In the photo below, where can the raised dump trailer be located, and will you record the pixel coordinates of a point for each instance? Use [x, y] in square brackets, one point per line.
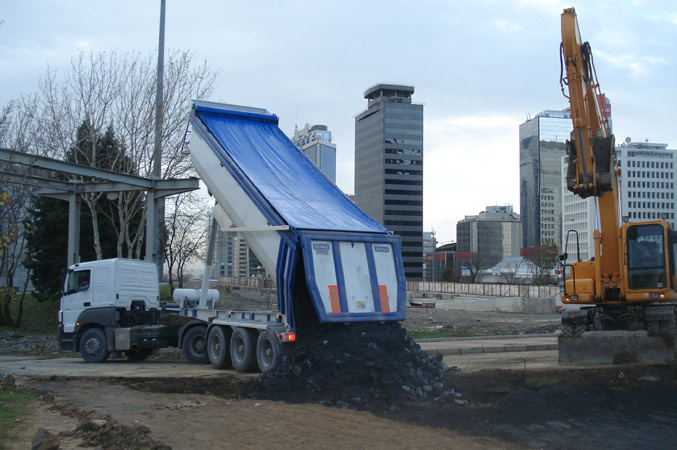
[331, 261]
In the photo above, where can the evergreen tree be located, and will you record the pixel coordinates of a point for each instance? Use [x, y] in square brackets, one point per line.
[48, 237]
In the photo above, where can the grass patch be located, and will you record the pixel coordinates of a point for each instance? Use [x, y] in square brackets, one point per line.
[38, 317]
[15, 408]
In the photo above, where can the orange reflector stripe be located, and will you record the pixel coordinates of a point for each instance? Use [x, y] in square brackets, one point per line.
[383, 293]
[334, 299]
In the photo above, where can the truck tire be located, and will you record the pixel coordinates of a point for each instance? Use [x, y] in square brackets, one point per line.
[194, 345]
[243, 349]
[579, 329]
[268, 351]
[138, 355]
[218, 347]
[93, 346]
[568, 330]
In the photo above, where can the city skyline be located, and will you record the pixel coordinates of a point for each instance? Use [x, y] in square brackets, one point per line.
[480, 70]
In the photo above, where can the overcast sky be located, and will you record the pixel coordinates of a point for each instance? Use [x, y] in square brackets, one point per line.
[479, 67]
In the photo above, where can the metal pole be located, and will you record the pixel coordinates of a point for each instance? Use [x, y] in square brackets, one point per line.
[73, 229]
[158, 206]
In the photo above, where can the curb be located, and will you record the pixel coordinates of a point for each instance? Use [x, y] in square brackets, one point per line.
[493, 349]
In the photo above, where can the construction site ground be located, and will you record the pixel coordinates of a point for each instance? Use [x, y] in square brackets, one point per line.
[519, 397]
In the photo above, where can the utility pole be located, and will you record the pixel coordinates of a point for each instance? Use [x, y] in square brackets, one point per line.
[158, 206]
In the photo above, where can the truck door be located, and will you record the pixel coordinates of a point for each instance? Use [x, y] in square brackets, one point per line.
[76, 298]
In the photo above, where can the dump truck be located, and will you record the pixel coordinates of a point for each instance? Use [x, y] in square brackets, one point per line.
[331, 262]
[626, 293]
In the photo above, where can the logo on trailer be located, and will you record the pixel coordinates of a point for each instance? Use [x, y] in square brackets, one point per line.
[381, 249]
[321, 249]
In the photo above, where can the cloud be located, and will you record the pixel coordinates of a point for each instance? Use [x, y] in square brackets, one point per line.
[637, 65]
[469, 162]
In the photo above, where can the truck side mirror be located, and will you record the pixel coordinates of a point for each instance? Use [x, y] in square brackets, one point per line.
[64, 272]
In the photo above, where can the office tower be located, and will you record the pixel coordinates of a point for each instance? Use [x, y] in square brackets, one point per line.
[542, 146]
[490, 236]
[389, 167]
[647, 190]
[315, 142]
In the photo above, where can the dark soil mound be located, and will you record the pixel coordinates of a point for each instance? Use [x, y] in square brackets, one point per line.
[361, 365]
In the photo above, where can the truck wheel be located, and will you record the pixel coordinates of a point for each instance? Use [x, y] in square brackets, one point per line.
[138, 355]
[580, 329]
[93, 346]
[218, 341]
[194, 345]
[267, 351]
[243, 349]
[568, 330]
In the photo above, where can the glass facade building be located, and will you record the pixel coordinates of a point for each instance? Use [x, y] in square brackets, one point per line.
[315, 142]
[389, 167]
[489, 237]
[542, 147]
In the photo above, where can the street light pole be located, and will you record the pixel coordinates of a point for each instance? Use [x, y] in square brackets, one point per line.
[159, 206]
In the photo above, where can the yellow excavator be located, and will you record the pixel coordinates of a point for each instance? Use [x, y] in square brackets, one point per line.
[629, 285]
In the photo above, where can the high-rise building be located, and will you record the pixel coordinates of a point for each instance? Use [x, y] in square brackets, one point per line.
[490, 236]
[389, 167]
[647, 190]
[315, 142]
[542, 146]
[240, 257]
[222, 265]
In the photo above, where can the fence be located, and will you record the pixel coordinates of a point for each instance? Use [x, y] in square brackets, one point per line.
[255, 283]
[488, 289]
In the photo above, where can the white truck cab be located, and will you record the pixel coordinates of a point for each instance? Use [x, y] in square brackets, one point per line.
[104, 305]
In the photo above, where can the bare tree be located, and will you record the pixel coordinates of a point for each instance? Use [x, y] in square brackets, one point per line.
[471, 262]
[187, 229]
[109, 89]
[14, 200]
[544, 259]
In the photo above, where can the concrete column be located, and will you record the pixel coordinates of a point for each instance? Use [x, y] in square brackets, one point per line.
[151, 227]
[73, 229]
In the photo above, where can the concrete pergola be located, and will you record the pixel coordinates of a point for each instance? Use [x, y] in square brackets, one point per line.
[105, 181]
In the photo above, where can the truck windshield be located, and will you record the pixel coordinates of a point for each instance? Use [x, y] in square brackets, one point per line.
[77, 281]
[646, 257]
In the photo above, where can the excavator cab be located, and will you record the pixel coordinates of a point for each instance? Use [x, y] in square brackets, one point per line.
[647, 262]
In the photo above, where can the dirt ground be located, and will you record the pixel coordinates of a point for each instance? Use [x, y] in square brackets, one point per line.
[510, 406]
[479, 323]
[630, 407]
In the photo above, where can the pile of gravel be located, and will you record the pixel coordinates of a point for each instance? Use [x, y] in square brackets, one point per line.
[366, 366]
[17, 342]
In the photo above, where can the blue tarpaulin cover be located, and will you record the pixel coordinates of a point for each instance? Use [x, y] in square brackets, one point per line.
[292, 185]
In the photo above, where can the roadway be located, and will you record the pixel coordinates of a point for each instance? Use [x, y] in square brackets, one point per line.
[468, 354]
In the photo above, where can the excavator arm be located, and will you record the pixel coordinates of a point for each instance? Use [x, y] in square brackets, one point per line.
[591, 149]
[592, 167]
